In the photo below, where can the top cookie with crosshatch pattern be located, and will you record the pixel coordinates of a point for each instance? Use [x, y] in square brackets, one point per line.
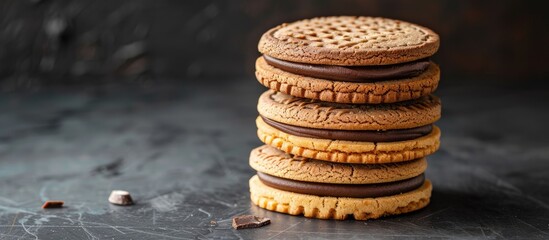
[349, 41]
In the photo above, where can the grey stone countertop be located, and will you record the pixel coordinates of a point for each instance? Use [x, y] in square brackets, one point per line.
[182, 150]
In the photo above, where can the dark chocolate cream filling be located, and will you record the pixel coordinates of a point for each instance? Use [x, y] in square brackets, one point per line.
[343, 190]
[352, 73]
[393, 135]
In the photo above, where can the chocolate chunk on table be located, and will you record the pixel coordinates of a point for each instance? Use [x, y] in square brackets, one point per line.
[53, 204]
[249, 221]
[120, 197]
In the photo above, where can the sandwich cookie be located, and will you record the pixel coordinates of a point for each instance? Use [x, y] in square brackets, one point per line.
[349, 60]
[326, 190]
[349, 133]
[339, 208]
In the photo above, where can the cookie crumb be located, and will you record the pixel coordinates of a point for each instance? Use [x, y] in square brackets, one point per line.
[120, 197]
[53, 204]
[249, 221]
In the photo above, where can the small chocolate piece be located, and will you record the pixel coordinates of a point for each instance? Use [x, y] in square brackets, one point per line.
[53, 204]
[120, 197]
[249, 221]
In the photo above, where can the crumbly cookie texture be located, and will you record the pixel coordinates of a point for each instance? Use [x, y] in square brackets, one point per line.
[349, 41]
[338, 208]
[348, 92]
[349, 151]
[324, 115]
[272, 161]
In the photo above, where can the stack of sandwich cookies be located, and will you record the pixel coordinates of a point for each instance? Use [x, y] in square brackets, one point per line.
[349, 119]
[364, 160]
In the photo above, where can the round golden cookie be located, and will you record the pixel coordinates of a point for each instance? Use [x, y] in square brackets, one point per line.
[338, 208]
[349, 41]
[323, 115]
[267, 159]
[388, 91]
[349, 151]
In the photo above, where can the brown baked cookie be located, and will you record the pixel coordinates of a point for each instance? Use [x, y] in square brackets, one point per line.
[339, 208]
[309, 113]
[349, 41]
[348, 92]
[349, 60]
[349, 151]
[269, 160]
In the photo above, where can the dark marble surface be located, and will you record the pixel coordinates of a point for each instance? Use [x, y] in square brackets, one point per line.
[181, 150]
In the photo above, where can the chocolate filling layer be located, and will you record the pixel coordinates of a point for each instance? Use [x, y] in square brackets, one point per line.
[343, 190]
[352, 73]
[350, 135]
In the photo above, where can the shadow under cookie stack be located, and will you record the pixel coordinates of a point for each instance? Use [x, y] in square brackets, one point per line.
[349, 118]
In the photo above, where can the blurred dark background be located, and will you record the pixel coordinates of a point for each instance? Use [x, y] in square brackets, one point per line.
[45, 42]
